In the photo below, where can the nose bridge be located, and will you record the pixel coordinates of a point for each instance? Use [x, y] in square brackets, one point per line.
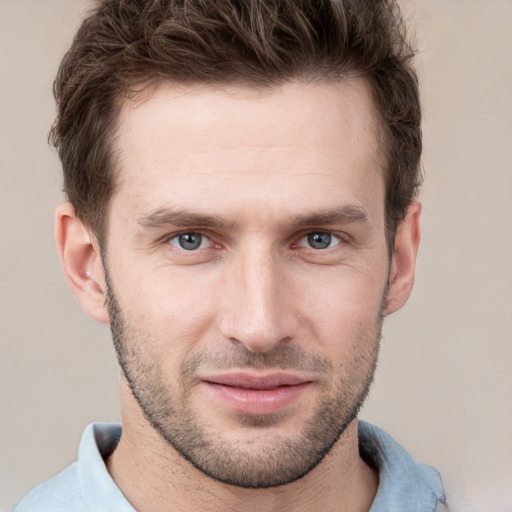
[256, 311]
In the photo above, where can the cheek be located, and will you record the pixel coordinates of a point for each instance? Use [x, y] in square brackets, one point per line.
[345, 321]
[172, 313]
[345, 302]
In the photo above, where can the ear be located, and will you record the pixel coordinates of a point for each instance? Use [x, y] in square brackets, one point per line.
[81, 262]
[401, 275]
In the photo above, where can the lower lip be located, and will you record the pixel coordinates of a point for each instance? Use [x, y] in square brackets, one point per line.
[257, 401]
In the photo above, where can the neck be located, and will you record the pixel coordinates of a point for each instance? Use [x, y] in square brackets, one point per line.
[154, 477]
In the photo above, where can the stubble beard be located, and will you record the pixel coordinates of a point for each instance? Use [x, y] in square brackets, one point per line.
[281, 460]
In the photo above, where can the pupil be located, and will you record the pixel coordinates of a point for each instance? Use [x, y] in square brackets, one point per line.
[319, 240]
[190, 241]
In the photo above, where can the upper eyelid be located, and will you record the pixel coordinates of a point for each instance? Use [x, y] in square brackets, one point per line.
[166, 240]
[294, 239]
[174, 234]
[341, 235]
[340, 238]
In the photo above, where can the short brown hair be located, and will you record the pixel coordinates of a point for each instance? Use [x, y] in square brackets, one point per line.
[124, 44]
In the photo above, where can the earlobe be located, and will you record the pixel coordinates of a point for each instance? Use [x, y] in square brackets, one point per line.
[81, 262]
[401, 275]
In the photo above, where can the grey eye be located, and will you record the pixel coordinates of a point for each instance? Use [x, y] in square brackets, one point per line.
[188, 241]
[320, 240]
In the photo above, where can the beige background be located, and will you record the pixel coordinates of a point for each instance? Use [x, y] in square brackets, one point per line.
[444, 384]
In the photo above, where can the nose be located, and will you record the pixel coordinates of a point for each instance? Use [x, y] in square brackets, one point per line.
[257, 303]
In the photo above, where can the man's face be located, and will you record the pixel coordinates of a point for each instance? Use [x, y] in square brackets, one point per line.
[247, 271]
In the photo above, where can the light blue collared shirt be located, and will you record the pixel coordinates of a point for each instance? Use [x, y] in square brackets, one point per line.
[86, 485]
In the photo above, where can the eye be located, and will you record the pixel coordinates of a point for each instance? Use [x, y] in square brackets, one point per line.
[190, 241]
[320, 240]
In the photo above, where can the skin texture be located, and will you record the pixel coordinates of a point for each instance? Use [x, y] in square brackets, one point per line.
[250, 175]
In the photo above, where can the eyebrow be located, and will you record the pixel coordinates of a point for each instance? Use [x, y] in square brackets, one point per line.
[162, 217]
[165, 217]
[347, 214]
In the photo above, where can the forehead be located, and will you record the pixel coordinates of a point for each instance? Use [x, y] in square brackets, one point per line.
[241, 143]
[193, 110]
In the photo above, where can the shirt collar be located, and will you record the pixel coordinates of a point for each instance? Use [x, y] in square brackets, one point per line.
[404, 484]
[98, 488]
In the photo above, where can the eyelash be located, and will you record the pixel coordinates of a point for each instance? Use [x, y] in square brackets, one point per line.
[168, 239]
[337, 236]
[332, 237]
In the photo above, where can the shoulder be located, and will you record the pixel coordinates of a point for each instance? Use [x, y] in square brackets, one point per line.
[60, 493]
[84, 485]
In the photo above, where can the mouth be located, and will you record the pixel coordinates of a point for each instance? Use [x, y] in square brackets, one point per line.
[257, 395]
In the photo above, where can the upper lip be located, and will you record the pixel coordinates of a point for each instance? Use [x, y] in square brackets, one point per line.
[259, 382]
